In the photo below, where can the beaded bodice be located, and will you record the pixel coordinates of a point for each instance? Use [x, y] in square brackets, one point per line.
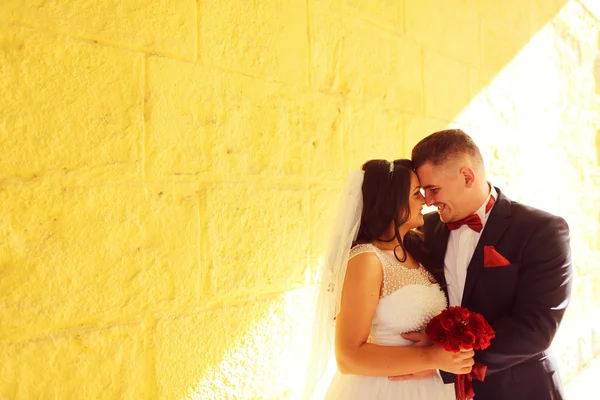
[409, 299]
[395, 275]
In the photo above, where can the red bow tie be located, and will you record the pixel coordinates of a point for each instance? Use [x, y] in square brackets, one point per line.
[472, 221]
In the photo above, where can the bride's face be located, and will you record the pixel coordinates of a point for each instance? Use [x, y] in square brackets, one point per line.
[416, 201]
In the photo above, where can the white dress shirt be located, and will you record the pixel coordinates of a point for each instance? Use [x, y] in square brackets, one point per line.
[461, 245]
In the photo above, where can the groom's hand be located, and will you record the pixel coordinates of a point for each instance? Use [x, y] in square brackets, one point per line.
[419, 339]
[418, 375]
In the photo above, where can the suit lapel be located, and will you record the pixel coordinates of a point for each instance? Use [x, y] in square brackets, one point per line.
[494, 229]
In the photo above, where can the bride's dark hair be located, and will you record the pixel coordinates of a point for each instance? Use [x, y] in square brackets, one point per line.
[385, 193]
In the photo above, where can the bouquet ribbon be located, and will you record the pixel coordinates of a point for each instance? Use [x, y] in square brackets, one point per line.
[464, 382]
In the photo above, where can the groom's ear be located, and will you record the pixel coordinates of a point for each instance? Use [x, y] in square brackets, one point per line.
[468, 174]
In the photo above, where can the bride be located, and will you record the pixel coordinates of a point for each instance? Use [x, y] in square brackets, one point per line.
[374, 289]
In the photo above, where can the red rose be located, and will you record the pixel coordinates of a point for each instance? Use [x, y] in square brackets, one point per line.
[482, 330]
[436, 332]
[447, 324]
[469, 340]
[457, 331]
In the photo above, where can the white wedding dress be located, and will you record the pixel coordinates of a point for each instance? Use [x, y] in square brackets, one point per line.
[409, 300]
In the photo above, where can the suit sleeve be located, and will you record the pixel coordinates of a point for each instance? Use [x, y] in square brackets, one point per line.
[542, 295]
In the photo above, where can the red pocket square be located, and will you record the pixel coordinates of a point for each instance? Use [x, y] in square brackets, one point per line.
[491, 258]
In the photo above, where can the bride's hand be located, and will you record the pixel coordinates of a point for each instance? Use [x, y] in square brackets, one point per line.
[455, 363]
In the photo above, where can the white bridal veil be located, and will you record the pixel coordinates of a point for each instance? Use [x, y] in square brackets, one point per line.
[332, 276]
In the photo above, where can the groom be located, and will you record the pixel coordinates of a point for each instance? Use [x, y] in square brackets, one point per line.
[505, 260]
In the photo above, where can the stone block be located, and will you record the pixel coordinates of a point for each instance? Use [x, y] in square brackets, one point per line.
[256, 238]
[105, 363]
[344, 60]
[446, 86]
[73, 105]
[94, 254]
[228, 123]
[263, 39]
[452, 28]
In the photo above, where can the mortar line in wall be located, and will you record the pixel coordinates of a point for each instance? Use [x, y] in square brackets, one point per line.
[441, 52]
[308, 198]
[308, 46]
[240, 299]
[96, 40]
[480, 46]
[404, 28]
[212, 181]
[66, 331]
[385, 28]
[197, 36]
[277, 182]
[151, 323]
[202, 244]
[423, 86]
[144, 113]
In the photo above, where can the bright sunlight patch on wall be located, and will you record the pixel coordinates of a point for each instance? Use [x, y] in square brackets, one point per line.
[274, 349]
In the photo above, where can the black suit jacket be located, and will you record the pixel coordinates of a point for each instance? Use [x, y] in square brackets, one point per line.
[524, 302]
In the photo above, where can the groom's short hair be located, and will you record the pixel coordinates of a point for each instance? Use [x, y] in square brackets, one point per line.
[442, 146]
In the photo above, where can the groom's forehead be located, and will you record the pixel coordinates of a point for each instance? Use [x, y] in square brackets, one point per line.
[438, 171]
[432, 176]
[427, 172]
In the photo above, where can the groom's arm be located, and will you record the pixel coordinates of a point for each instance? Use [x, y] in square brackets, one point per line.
[542, 296]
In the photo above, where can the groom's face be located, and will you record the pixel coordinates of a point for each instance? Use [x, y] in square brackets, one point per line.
[445, 189]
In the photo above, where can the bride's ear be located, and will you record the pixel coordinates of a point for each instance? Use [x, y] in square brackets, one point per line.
[468, 174]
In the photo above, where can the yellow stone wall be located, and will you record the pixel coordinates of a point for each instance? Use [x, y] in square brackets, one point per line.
[170, 170]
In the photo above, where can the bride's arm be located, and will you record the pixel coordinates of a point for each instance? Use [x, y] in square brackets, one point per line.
[360, 296]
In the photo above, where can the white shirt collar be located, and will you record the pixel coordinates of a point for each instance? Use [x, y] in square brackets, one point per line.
[481, 211]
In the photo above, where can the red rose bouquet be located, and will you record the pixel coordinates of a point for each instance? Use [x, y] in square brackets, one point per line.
[458, 327]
